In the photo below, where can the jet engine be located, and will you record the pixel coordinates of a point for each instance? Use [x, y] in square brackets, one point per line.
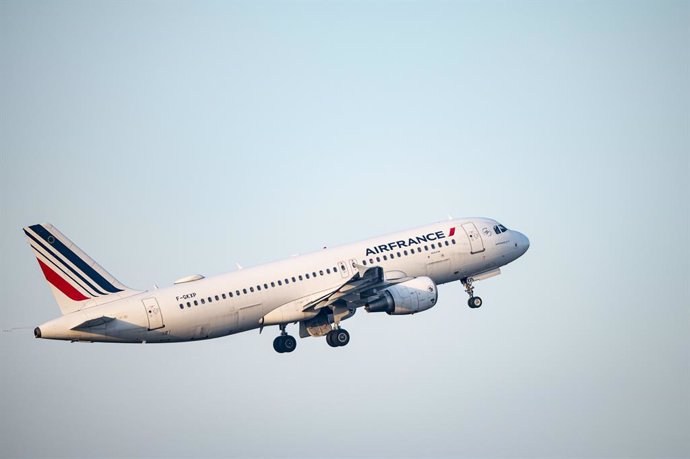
[409, 297]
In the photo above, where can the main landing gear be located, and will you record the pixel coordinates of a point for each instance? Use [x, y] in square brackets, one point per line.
[337, 337]
[284, 342]
[474, 301]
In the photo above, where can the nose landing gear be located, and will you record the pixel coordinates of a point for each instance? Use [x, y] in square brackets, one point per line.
[474, 301]
[284, 342]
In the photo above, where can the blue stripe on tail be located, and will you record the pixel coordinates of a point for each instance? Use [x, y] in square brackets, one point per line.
[74, 258]
[62, 262]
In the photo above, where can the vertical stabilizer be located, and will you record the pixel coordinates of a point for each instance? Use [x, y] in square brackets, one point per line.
[75, 279]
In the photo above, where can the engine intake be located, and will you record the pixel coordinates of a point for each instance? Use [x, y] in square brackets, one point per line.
[409, 297]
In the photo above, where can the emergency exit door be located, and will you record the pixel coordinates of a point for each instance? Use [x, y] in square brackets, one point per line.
[476, 242]
[153, 312]
[343, 269]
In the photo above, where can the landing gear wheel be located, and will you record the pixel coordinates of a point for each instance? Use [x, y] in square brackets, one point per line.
[278, 344]
[284, 343]
[340, 337]
[474, 302]
[329, 339]
[289, 343]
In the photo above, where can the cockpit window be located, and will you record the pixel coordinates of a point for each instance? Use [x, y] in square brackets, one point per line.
[498, 229]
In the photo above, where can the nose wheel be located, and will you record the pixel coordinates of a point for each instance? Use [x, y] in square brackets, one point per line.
[474, 302]
[284, 342]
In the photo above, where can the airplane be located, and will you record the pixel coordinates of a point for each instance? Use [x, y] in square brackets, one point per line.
[396, 274]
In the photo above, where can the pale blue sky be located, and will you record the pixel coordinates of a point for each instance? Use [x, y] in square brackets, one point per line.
[172, 138]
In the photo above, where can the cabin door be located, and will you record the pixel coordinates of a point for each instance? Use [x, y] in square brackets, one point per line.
[476, 243]
[153, 312]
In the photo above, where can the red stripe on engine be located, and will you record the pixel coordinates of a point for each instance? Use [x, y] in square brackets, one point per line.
[60, 283]
[452, 232]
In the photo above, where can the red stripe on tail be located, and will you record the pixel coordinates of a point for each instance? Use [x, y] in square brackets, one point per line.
[452, 232]
[61, 284]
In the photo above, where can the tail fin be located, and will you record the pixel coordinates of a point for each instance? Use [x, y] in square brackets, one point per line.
[76, 280]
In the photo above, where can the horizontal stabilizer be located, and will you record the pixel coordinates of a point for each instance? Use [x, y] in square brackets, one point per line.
[93, 322]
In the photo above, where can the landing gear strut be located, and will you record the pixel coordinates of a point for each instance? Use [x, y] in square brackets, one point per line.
[474, 301]
[284, 342]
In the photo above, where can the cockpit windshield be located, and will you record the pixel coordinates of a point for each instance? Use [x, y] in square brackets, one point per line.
[498, 229]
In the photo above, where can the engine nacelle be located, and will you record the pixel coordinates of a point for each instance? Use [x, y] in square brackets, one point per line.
[410, 297]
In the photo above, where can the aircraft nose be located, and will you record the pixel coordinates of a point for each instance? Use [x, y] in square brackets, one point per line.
[523, 242]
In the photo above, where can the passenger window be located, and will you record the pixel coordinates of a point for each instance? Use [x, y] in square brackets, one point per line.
[280, 282]
[258, 287]
[230, 293]
[371, 261]
[238, 292]
[266, 286]
[202, 301]
[307, 275]
[364, 262]
[189, 305]
[385, 257]
[399, 255]
[251, 289]
[313, 274]
[181, 306]
[446, 242]
[196, 303]
[426, 247]
[210, 300]
[453, 241]
[300, 277]
[273, 284]
[287, 281]
[328, 270]
[378, 259]
[321, 272]
[244, 290]
[218, 298]
[293, 279]
[224, 295]
[405, 252]
[419, 250]
[433, 246]
[335, 270]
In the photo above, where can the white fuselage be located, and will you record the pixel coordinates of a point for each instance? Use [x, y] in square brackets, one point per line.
[241, 300]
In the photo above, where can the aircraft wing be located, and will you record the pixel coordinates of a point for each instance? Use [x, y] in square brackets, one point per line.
[360, 286]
